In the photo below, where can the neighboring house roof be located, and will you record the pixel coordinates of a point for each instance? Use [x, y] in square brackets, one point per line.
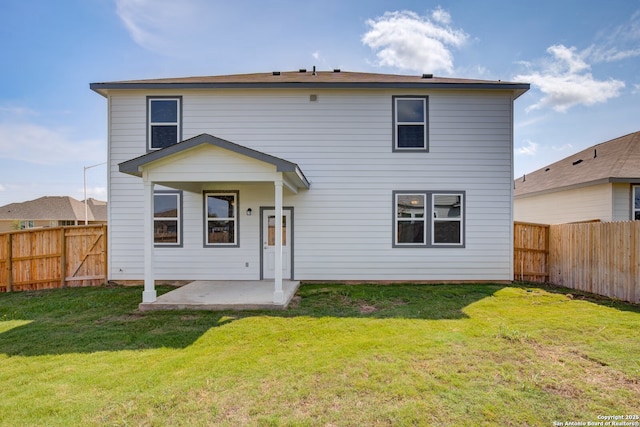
[62, 208]
[617, 160]
[313, 79]
[133, 166]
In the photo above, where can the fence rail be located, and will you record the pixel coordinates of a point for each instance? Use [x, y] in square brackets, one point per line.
[598, 257]
[50, 258]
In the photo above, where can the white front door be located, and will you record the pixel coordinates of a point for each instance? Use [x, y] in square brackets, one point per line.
[269, 244]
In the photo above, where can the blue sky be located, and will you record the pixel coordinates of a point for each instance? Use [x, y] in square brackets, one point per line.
[582, 60]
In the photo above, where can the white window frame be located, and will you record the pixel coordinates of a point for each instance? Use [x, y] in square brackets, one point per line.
[150, 124]
[26, 224]
[177, 218]
[429, 225]
[235, 218]
[424, 123]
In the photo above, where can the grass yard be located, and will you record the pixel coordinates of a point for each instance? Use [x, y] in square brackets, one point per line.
[365, 355]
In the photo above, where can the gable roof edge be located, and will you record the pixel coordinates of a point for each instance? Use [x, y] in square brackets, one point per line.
[133, 166]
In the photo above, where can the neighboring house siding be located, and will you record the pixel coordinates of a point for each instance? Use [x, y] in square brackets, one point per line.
[582, 204]
[343, 224]
[621, 202]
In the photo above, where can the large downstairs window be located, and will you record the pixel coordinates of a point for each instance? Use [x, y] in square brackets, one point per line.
[410, 123]
[428, 219]
[167, 216]
[221, 218]
[163, 118]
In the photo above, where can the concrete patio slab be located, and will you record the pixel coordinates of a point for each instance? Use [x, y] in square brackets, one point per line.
[223, 295]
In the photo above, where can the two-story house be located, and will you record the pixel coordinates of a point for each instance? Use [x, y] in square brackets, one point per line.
[376, 178]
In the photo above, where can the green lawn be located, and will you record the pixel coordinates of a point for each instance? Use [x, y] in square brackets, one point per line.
[362, 355]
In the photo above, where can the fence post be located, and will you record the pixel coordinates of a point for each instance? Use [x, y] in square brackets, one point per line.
[9, 264]
[105, 265]
[63, 257]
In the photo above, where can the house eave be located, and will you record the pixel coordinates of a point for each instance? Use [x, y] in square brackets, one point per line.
[608, 180]
[517, 88]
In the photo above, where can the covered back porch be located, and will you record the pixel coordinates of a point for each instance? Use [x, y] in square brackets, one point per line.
[224, 295]
[191, 166]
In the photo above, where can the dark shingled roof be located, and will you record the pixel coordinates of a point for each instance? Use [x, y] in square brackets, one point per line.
[311, 79]
[617, 160]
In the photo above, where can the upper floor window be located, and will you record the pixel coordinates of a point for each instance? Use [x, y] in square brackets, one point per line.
[163, 116]
[410, 123]
[636, 202]
[167, 213]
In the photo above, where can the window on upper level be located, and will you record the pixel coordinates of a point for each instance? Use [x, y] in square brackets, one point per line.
[167, 217]
[164, 121]
[428, 219]
[410, 123]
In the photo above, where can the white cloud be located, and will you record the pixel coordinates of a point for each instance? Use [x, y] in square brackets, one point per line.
[406, 40]
[160, 25]
[618, 43]
[2, 187]
[529, 150]
[566, 81]
[561, 148]
[38, 144]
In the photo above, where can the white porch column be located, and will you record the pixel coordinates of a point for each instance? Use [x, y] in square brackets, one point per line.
[149, 294]
[278, 295]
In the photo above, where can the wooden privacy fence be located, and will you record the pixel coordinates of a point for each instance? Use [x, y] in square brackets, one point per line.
[531, 252]
[598, 257]
[50, 258]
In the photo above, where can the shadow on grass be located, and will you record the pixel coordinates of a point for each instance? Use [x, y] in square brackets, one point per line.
[86, 320]
[581, 295]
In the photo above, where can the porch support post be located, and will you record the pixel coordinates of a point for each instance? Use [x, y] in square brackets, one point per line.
[149, 293]
[278, 294]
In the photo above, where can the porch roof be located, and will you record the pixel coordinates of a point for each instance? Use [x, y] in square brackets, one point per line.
[291, 171]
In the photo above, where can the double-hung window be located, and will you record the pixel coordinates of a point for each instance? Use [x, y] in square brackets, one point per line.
[221, 218]
[410, 123]
[636, 202]
[428, 219]
[447, 219]
[163, 117]
[167, 212]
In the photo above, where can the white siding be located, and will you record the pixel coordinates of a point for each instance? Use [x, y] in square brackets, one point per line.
[342, 142]
[621, 202]
[581, 204]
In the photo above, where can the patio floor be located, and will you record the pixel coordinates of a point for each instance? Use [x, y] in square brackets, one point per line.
[223, 295]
